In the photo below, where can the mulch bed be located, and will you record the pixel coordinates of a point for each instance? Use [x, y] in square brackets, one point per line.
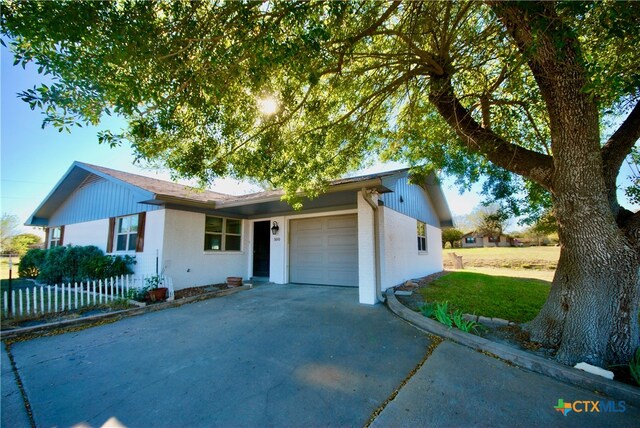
[196, 291]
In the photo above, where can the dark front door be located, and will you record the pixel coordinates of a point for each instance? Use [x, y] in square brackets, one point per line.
[261, 248]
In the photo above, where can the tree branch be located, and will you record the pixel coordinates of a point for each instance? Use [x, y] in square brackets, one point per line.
[533, 165]
[616, 150]
[351, 40]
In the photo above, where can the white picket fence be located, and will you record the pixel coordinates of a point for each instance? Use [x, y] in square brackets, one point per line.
[43, 299]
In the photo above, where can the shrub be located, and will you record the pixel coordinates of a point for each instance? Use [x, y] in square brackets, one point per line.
[93, 264]
[30, 263]
[75, 263]
[53, 270]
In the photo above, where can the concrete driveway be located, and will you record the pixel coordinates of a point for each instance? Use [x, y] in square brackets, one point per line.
[271, 356]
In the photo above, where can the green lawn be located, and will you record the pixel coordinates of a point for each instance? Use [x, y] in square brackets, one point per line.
[16, 283]
[513, 299]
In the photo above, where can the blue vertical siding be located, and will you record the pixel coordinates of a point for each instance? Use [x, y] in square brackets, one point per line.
[409, 199]
[98, 198]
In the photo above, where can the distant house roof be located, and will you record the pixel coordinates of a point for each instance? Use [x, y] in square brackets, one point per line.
[160, 192]
[475, 234]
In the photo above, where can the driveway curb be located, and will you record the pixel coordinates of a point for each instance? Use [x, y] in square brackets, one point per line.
[519, 358]
[18, 332]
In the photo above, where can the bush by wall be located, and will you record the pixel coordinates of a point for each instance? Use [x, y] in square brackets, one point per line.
[73, 264]
[30, 263]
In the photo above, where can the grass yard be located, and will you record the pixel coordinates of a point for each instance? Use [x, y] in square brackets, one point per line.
[15, 284]
[513, 299]
[525, 258]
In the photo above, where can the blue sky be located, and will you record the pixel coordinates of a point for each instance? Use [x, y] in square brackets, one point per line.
[32, 159]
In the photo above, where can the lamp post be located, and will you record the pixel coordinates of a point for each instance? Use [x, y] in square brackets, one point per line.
[10, 295]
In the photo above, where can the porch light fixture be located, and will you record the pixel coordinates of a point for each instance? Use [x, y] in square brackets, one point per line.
[275, 228]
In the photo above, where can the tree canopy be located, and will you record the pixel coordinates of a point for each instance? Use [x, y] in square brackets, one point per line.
[352, 80]
[8, 229]
[451, 235]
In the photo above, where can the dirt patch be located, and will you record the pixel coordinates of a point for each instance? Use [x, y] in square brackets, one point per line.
[415, 300]
[196, 291]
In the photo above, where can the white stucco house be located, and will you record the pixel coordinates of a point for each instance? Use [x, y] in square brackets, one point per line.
[371, 232]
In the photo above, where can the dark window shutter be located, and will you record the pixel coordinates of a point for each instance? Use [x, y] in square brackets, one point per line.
[46, 237]
[61, 242]
[141, 224]
[112, 229]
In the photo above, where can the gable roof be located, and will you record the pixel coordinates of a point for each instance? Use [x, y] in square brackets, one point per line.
[154, 191]
[156, 186]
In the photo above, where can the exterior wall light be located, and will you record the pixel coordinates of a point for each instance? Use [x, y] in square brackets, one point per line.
[275, 228]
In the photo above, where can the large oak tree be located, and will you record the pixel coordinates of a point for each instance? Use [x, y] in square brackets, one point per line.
[519, 92]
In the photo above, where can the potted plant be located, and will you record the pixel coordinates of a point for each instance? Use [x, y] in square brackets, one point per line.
[157, 290]
[234, 281]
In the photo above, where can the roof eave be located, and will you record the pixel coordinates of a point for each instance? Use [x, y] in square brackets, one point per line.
[342, 187]
[432, 186]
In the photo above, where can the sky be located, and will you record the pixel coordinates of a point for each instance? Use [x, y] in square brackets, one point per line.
[32, 159]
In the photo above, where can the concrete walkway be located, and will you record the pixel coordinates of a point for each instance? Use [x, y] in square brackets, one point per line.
[458, 386]
[278, 356]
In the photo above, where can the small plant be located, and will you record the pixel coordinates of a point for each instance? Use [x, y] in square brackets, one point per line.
[138, 294]
[465, 325]
[153, 282]
[634, 366]
[440, 311]
[426, 309]
[441, 314]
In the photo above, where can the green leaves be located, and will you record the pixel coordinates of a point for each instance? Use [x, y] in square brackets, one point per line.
[352, 81]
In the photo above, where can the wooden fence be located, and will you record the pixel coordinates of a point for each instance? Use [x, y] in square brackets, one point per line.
[49, 299]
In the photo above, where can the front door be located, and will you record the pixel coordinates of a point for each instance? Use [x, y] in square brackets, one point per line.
[261, 248]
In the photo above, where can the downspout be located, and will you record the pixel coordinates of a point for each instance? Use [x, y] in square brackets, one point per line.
[366, 194]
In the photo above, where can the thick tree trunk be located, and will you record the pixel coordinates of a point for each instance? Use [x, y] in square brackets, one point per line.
[591, 313]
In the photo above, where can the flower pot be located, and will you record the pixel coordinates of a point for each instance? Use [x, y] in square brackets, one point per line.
[157, 294]
[234, 281]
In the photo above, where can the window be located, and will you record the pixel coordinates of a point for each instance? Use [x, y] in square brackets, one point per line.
[469, 240]
[222, 234]
[55, 237]
[422, 236]
[126, 233]
[494, 239]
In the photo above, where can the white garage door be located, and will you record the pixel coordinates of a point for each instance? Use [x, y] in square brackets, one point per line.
[324, 250]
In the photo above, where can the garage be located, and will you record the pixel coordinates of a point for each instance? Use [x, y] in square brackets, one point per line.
[324, 250]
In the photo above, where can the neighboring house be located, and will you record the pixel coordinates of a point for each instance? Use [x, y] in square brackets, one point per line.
[201, 237]
[474, 240]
